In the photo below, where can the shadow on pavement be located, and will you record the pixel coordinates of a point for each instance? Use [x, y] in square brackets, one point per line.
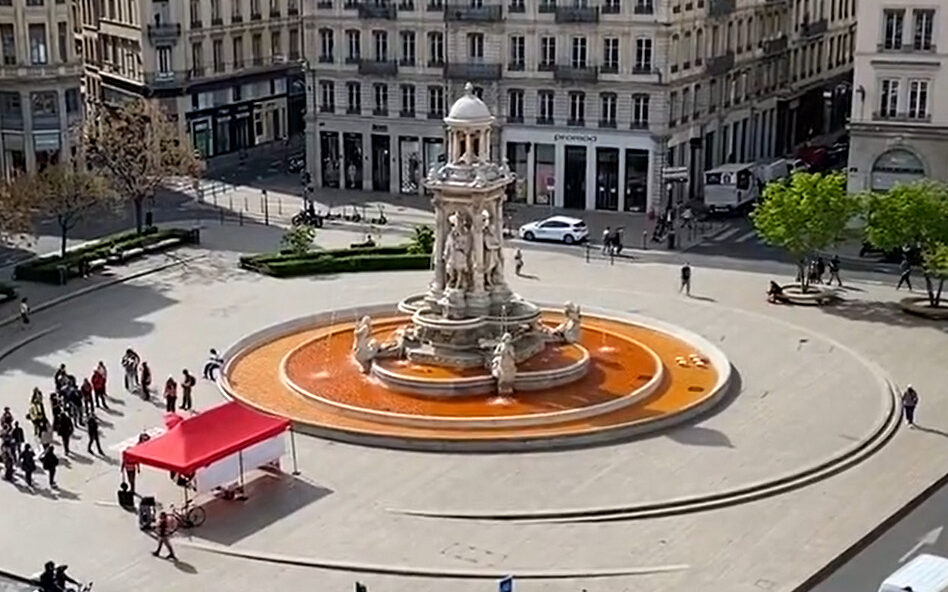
[880, 312]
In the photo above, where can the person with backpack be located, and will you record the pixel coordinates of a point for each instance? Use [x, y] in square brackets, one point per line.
[65, 428]
[50, 461]
[187, 385]
[28, 463]
[98, 385]
[145, 381]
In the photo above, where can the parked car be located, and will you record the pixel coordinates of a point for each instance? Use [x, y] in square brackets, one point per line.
[556, 228]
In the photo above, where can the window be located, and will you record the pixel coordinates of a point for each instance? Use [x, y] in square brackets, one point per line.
[889, 98]
[696, 111]
[197, 57]
[235, 14]
[515, 105]
[577, 108]
[276, 44]
[918, 99]
[892, 29]
[34, 2]
[739, 48]
[643, 55]
[516, 6]
[294, 44]
[408, 100]
[217, 54]
[44, 104]
[11, 109]
[611, 7]
[408, 48]
[8, 43]
[38, 53]
[255, 9]
[699, 47]
[238, 51]
[673, 108]
[353, 45]
[644, 7]
[435, 101]
[924, 22]
[547, 53]
[686, 49]
[475, 46]
[215, 12]
[517, 52]
[195, 14]
[578, 53]
[72, 100]
[640, 110]
[685, 104]
[381, 99]
[353, 97]
[607, 110]
[61, 41]
[327, 96]
[381, 45]
[327, 45]
[545, 106]
[435, 49]
[164, 60]
[610, 54]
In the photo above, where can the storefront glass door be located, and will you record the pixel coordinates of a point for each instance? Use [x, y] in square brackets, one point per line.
[352, 156]
[636, 180]
[575, 178]
[544, 183]
[381, 165]
[329, 159]
[607, 179]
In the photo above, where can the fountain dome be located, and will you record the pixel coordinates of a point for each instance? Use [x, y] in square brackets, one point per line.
[469, 110]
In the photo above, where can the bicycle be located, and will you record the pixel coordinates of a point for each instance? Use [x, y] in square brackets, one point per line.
[189, 517]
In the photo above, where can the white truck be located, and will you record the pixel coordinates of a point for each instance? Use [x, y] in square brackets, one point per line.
[925, 573]
[731, 187]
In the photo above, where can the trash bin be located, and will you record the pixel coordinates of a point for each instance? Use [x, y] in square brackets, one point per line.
[146, 513]
[149, 219]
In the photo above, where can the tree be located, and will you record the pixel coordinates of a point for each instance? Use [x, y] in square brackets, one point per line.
[68, 192]
[138, 148]
[914, 215]
[422, 241]
[15, 215]
[804, 214]
[298, 239]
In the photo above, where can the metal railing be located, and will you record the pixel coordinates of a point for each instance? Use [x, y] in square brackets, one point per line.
[577, 14]
[488, 13]
[472, 71]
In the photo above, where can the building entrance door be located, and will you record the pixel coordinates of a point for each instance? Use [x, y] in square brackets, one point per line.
[575, 181]
[381, 163]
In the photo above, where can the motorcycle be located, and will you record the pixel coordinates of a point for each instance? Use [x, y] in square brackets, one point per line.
[295, 164]
[381, 219]
[308, 217]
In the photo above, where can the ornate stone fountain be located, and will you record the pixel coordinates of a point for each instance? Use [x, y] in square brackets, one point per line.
[469, 318]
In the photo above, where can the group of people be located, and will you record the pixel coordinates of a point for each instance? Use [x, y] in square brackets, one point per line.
[612, 241]
[816, 270]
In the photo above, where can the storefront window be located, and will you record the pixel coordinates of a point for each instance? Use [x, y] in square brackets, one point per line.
[201, 137]
[352, 157]
[636, 180]
[222, 136]
[607, 179]
[433, 153]
[517, 159]
[329, 159]
[409, 164]
[544, 180]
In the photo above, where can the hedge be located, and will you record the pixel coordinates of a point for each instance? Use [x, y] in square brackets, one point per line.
[337, 261]
[47, 269]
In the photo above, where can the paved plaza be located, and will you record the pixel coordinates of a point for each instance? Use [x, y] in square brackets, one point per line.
[812, 386]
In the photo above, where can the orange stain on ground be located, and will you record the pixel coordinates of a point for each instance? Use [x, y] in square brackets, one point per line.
[323, 365]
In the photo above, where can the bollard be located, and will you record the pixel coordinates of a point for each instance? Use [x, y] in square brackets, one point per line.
[230, 202]
[645, 240]
[240, 218]
[280, 205]
[587, 251]
[222, 215]
[246, 208]
[266, 208]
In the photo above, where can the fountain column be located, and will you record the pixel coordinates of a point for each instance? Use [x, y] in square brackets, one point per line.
[478, 300]
[436, 288]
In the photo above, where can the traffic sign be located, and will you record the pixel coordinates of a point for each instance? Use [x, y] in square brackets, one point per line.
[675, 173]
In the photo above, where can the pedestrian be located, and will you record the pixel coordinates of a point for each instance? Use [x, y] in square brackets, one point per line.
[74, 401]
[18, 438]
[60, 378]
[145, 381]
[130, 471]
[163, 531]
[171, 394]
[820, 269]
[909, 403]
[65, 428]
[46, 433]
[93, 429]
[6, 420]
[834, 271]
[187, 384]
[685, 279]
[28, 463]
[518, 262]
[36, 412]
[606, 239]
[905, 273]
[50, 461]
[6, 454]
[24, 314]
[98, 386]
[214, 364]
[130, 362]
[88, 400]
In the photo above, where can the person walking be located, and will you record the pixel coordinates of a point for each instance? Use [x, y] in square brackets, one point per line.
[606, 240]
[685, 279]
[187, 385]
[24, 314]
[909, 403]
[171, 394]
[50, 461]
[145, 381]
[834, 271]
[905, 273]
[92, 427]
[46, 433]
[820, 269]
[6, 454]
[98, 386]
[130, 471]
[130, 362]
[65, 428]
[163, 532]
[518, 262]
[18, 439]
[88, 399]
[28, 464]
[36, 411]
[214, 364]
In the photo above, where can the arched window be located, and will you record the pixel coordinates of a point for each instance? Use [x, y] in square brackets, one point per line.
[896, 166]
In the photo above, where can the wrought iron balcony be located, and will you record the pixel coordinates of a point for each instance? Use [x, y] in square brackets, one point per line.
[488, 13]
[607, 123]
[472, 71]
[644, 7]
[721, 64]
[774, 46]
[901, 117]
[571, 74]
[719, 8]
[577, 14]
[377, 11]
[814, 29]
[164, 31]
[378, 68]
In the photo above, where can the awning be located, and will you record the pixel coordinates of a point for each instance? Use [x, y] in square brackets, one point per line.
[198, 441]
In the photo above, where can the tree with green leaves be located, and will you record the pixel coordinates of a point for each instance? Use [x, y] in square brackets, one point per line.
[15, 214]
[805, 213]
[422, 240]
[138, 148]
[68, 192]
[914, 215]
[298, 239]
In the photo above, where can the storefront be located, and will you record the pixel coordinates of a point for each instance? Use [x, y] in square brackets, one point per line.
[603, 171]
[230, 128]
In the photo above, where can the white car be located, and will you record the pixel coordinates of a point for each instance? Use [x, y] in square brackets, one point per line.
[556, 228]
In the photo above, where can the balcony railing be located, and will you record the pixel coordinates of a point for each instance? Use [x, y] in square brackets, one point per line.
[571, 74]
[164, 31]
[718, 8]
[378, 68]
[720, 65]
[577, 14]
[22, 72]
[814, 29]
[906, 48]
[472, 71]
[607, 123]
[901, 117]
[377, 11]
[610, 9]
[644, 8]
[474, 14]
[609, 69]
[774, 46]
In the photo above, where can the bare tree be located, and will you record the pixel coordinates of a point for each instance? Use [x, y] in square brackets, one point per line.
[67, 192]
[15, 214]
[138, 148]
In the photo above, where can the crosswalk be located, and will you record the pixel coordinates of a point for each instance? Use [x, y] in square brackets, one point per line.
[733, 234]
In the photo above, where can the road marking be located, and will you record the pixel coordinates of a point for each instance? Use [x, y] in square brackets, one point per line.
[930, 538]
[747, 235]
[132, 441]
[727, 234]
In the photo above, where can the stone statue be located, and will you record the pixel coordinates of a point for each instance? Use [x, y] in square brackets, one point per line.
[364, 348]
[493, 253]
[457, 254]
[570, 329]
[503, 365]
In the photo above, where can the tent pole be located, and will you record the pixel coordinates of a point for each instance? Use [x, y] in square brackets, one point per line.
[296, 468]
[240, 462]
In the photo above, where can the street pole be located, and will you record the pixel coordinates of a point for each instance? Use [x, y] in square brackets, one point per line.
[266, 208]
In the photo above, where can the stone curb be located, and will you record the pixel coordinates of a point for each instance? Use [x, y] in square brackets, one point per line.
[95, 287]
[429, 572]
[918, 306]
[28, 340]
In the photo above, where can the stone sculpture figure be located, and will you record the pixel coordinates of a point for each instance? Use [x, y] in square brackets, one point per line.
[503, 365]
[493, 253]
[456, 254]
[364, 348]
[570, 329]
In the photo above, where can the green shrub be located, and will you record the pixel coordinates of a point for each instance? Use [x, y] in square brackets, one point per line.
[298, 239]
[351, 264]
[422, 241]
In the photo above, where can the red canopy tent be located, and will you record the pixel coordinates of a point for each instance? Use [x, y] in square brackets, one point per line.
[214, 434]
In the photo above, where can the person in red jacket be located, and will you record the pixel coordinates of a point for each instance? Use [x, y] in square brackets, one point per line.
[98, 387]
